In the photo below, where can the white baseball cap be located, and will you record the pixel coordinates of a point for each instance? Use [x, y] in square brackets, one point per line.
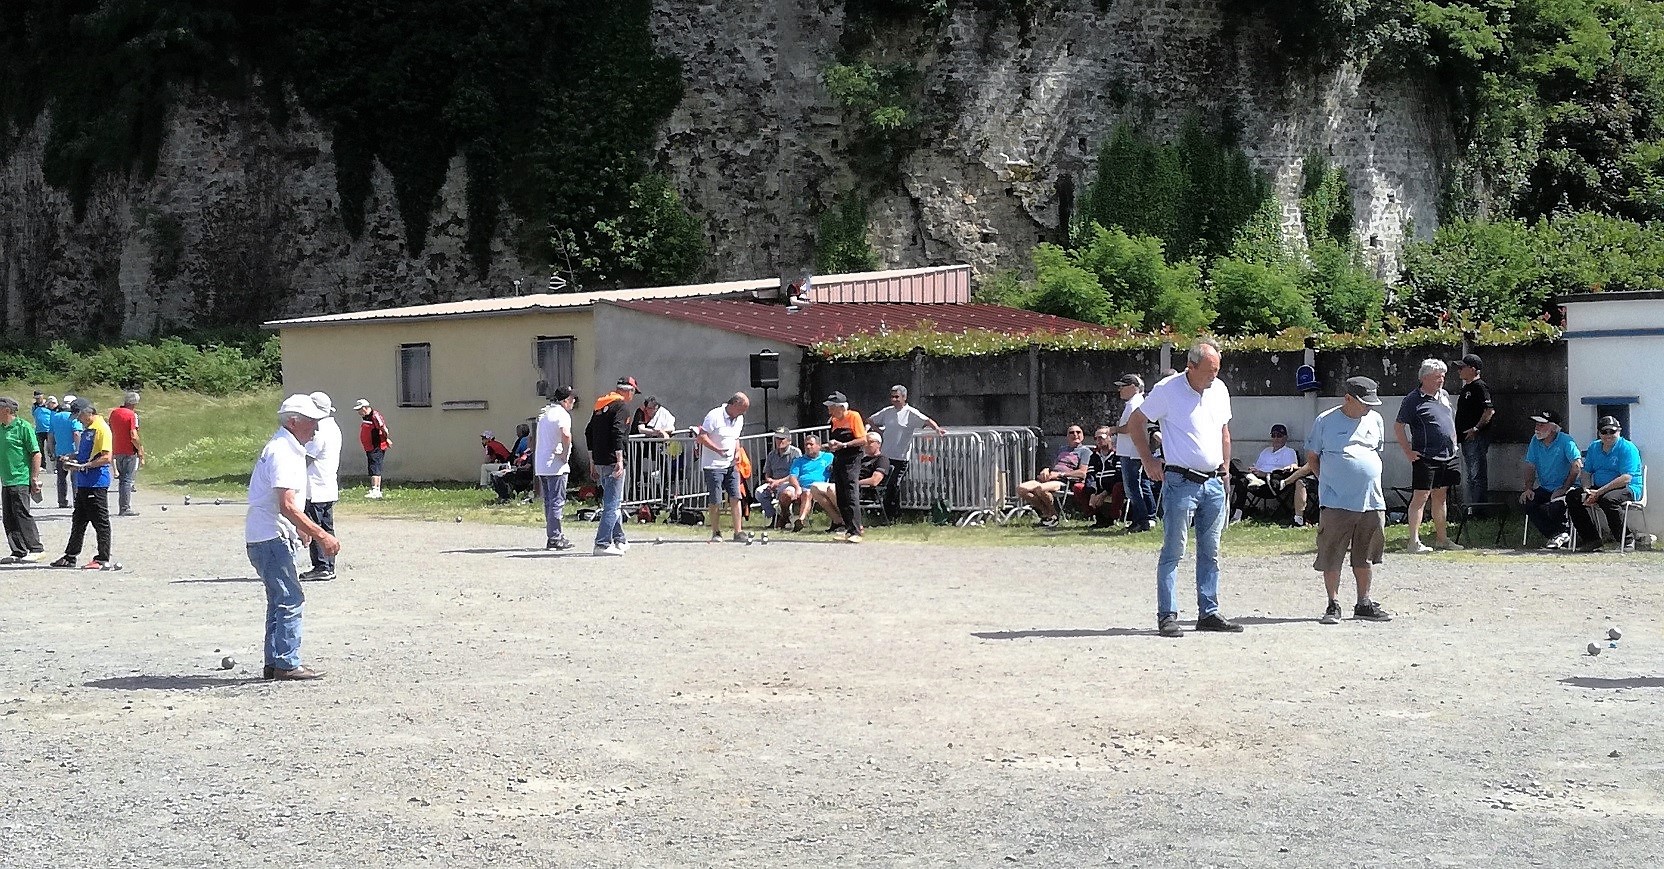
[303, 405]
[361, 404]
[321, 399]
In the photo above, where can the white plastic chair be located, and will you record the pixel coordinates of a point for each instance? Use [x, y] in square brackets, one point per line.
[1640, 504]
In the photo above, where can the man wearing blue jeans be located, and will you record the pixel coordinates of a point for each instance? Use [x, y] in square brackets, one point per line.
[551, 461]
[275, 529]
[1141, 500]
[608, 432]
[1194, 409]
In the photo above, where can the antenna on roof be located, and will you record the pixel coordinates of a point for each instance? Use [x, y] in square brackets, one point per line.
[556, 282]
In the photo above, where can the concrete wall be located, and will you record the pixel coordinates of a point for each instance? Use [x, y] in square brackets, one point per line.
[1616, 365]
[692, 368]
[490, 359]
[1052, 389]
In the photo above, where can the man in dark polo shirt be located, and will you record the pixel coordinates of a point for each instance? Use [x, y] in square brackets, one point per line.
[1474, 410]
[1426, 432]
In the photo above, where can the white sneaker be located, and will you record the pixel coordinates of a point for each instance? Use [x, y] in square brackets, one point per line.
[373, 493]
[622, 546]
[1299, 521]
[604, 549]
[1416, 547]
[1236, 516]
[1449, 546]
[31, 558]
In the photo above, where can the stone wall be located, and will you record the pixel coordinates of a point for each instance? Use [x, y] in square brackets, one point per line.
[240, 222]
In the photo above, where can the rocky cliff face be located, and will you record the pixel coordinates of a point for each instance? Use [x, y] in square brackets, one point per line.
[239, 222]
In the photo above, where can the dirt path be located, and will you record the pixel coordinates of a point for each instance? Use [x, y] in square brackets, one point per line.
[808, 703]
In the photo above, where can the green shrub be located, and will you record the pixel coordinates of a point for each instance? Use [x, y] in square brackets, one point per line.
[1256, 298]
[170, 363]
[841, 244]
[1489, 268]
[1347, 298]
[1144, 292]
[1064, 289]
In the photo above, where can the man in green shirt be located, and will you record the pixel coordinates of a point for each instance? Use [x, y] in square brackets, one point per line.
[20, 476]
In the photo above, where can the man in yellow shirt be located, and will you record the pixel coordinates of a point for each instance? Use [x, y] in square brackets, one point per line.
[91, 466]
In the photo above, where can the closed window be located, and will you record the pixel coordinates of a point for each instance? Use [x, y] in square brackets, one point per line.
[553, 357]
[415, 375]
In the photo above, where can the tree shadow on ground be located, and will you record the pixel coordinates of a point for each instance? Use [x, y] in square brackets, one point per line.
[1598, 682]
[170, 683]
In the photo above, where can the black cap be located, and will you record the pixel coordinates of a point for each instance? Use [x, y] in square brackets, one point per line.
[1279, 431]
[1471, 361]
[1130, 380]
[1363, 389]
[81, 406]
[836, 398]
[1546, 416]
[561, 393]
[1609, 422]
[781, 432]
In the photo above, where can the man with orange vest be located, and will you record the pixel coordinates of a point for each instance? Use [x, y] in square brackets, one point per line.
[607, 433]
[846, 440]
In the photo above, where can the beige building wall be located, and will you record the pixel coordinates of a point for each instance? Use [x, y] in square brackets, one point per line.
[479, 359]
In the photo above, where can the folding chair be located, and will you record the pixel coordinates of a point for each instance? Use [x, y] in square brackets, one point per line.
[1639, 505]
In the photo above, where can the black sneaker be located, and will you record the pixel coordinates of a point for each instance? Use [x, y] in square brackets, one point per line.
[797, 525]
[317, 574]
[742, 537]
[1168, 626]
[560, 545]
[1331, 616]
[1370, 611]
[1217, 624]
[1050, 522]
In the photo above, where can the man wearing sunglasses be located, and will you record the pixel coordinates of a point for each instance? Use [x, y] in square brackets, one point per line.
[1614, 466]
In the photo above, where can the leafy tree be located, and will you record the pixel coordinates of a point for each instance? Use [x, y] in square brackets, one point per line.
[1345, 296]
[841, 244]
[1143, 291]
[1064, 289]
[1490, 269]
[1256, 298]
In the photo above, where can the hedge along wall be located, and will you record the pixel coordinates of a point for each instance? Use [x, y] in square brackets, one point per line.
[1053, 389]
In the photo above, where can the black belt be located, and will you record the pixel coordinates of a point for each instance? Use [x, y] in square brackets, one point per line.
[1192, 475]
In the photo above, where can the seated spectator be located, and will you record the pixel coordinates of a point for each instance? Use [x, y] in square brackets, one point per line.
[808, 477]
[874, 468]
[1275, 463]
[1614, 466]
[1069, 468]
[516, 476]
[777, 475]
[652, 419]
[1106, 498]
[1552, 466]
[496, 455]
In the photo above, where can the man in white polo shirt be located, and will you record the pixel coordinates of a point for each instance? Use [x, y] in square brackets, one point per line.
[277, 526]
[552, 462]
[719, 441]
[1194, 409]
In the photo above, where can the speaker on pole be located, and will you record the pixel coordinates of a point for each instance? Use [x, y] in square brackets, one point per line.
[765, 370]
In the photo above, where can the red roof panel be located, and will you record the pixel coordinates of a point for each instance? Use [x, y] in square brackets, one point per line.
[811, 324]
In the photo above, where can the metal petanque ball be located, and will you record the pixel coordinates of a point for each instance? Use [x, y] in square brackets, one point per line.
[1614, 633]
[187, 500]
[227, 662]
[218, 501]
[1594, 649]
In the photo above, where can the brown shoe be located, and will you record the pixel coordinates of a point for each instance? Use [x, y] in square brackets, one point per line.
[298, 674]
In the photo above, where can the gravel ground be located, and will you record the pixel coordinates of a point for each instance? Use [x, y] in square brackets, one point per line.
[806, 703]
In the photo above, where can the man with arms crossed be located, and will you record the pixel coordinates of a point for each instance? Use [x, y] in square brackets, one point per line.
[1343, 451]
[1194, 409]
[276, 526]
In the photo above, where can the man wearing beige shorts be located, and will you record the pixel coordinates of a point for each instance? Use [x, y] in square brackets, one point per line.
[1344, 454]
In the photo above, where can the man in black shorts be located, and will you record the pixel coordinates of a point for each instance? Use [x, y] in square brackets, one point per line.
[1426, 431]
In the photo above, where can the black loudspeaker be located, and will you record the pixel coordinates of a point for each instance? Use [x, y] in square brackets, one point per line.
[765, 370]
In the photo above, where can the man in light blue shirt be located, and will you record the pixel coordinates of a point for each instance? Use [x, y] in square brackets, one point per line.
[1343, 450]
[1614, 466]
[66, 440]
[1552, 466]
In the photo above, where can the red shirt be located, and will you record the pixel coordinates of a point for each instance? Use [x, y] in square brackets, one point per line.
[372, 432]
[124, 426]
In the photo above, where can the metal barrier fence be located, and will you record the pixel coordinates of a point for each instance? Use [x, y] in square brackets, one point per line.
[971, 471]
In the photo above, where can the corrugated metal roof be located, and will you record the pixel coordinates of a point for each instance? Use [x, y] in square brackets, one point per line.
[557, 301]
[811, 324]
[539, 301]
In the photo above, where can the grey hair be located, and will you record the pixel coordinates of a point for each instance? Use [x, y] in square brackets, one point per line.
[9, 403]
[283, 417]
[1429, 366]
[130, 399]
[738, 397]
[808, 438]
[898, 389]
[1197, 351]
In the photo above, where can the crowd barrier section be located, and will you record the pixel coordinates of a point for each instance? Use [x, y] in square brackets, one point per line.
[972, 471]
